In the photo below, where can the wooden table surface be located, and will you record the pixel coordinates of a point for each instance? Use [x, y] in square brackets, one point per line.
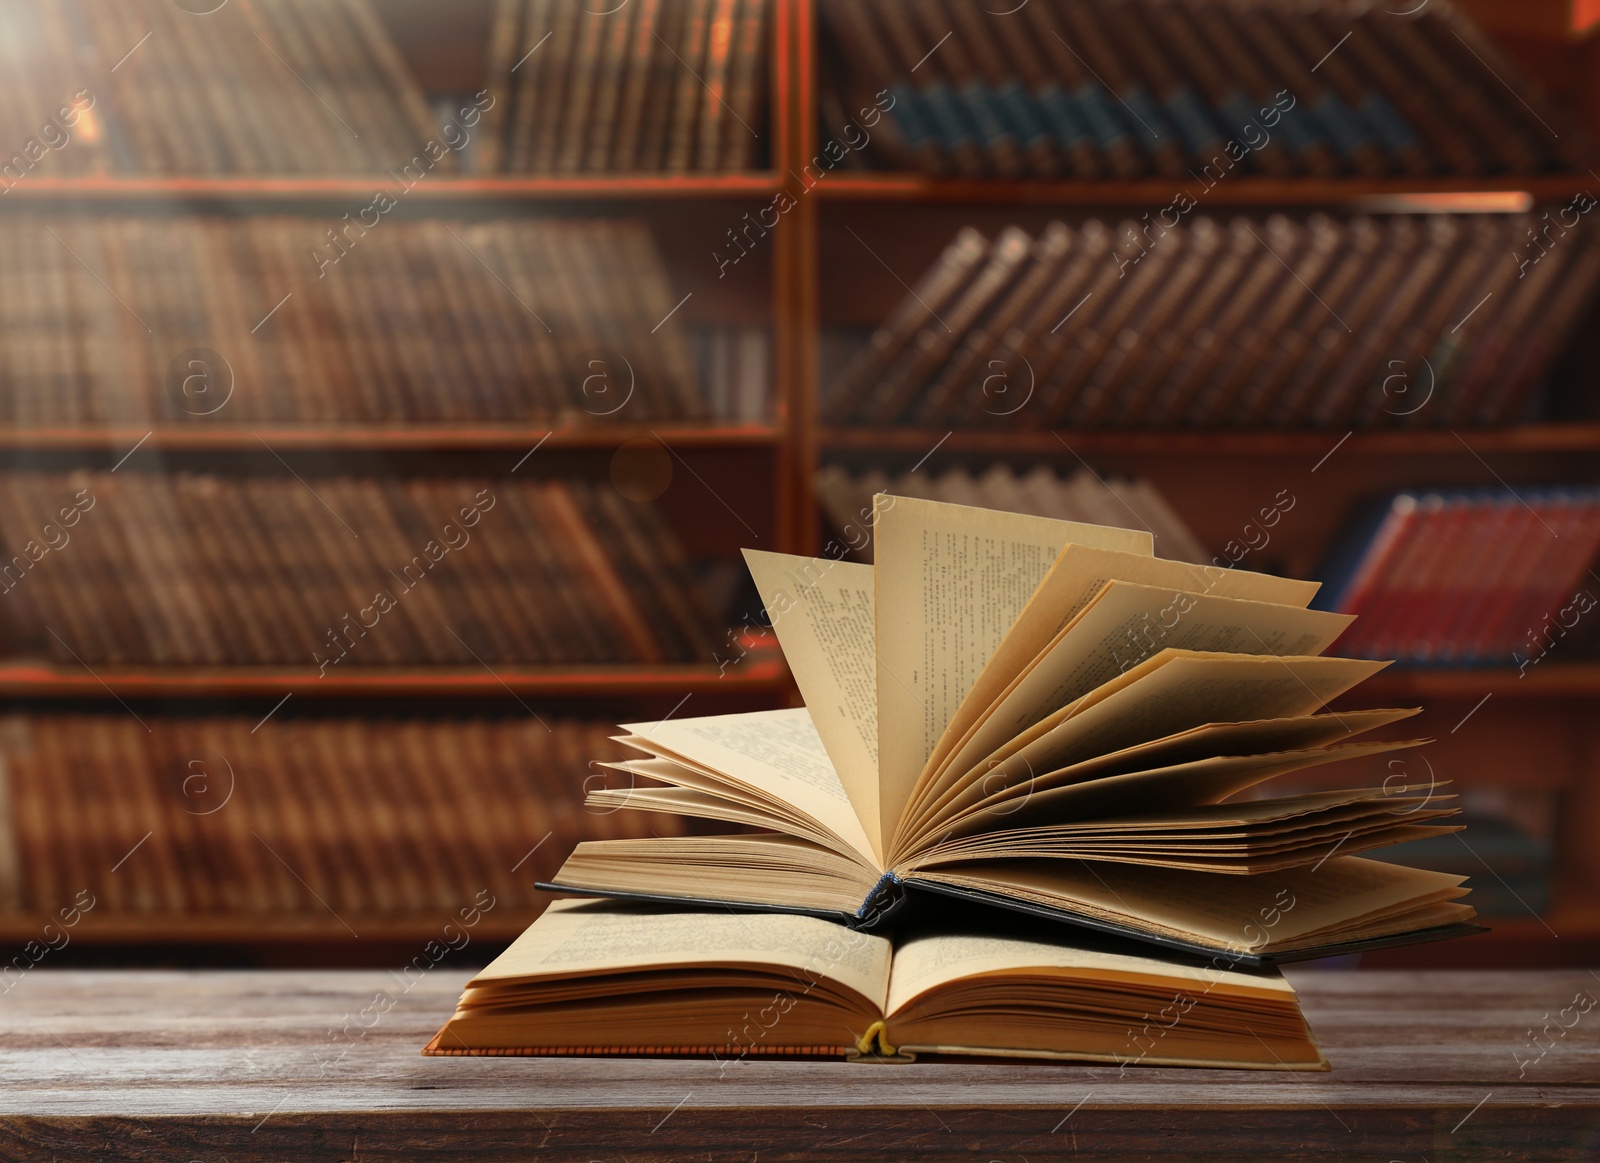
[223, 1067]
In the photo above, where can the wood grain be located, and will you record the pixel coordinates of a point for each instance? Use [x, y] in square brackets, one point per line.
[247, 1065]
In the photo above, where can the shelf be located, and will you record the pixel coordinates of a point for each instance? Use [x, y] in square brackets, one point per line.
[39, 680]
[1498, 193]
[1577, 680]
[621, 187]
[1536, 438]
[199, 435]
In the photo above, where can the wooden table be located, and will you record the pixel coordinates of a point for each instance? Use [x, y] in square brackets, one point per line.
[224, 1067]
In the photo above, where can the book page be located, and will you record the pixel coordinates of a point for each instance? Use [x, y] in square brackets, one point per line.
[1175, 691]
[925, 963]
[1057, 797]
[1201, 765]
[1121, 626]
[1231, 912]
[821, 610]
[583, 938]
[1077, 575]
[950, 581]
[776, 752]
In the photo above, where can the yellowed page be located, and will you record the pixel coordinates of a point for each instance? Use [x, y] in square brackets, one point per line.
[582, 938]
[821, 610]
[1120, 627]
[1200, 765]
[1233, 912]
[778, 753]
[683, 801]
[1174, 691]
[950, 581]
[1200, 781]
[925, 963]
[1076, 576]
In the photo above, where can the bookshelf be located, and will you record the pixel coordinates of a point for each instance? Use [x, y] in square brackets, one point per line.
[800, 282]
[751, 460]
[1212, 476]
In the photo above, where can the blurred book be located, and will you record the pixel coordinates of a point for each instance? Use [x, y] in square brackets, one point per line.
[670, 86]
[736, 372]
[1124, 503]
[1184, 89]
[509, 320]
[153, 87]
[340, 572]
[1310, 322]
[1472, 577]
[244, 822]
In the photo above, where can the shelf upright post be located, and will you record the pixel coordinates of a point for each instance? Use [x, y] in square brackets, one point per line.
[795, 276]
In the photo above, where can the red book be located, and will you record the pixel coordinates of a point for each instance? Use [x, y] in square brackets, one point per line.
[1475, 555]
[1546, 611]
[1378, 599]
[1456, 629]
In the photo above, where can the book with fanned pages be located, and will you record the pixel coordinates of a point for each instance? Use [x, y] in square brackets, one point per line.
[595, 978]
[1042, 716]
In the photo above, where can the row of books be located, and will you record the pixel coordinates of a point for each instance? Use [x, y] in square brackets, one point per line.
[227, 319]
[1085, 496]
[674, 86]
[271, 87]
[1495, 577]
[339, 572]
[1434, 320]
[299, 86]
[297, 817]
[1185, 88]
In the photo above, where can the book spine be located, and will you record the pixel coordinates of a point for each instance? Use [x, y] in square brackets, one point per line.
[1569, 301]
[1412, 592]
[997, 141]
[861, 33]
[1105, 386]
[505, 35]
[637, 79]
[578, 123]
[1027, 353]
[1469, 576]
[746, 76]
[966, 364]
[711, 134]
[1468, 113]
[608, 91]
[686, 98]
[901, 381]
[1149, 128]
[1162, 370]
[938, 286]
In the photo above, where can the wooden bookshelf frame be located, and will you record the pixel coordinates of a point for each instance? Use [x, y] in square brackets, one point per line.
[1498, 193]
[199, 436]
[1535, 438]
[445, 189]
[44, 680]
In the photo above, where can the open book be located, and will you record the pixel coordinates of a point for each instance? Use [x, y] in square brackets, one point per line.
[592, 978]
[1041, 715]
